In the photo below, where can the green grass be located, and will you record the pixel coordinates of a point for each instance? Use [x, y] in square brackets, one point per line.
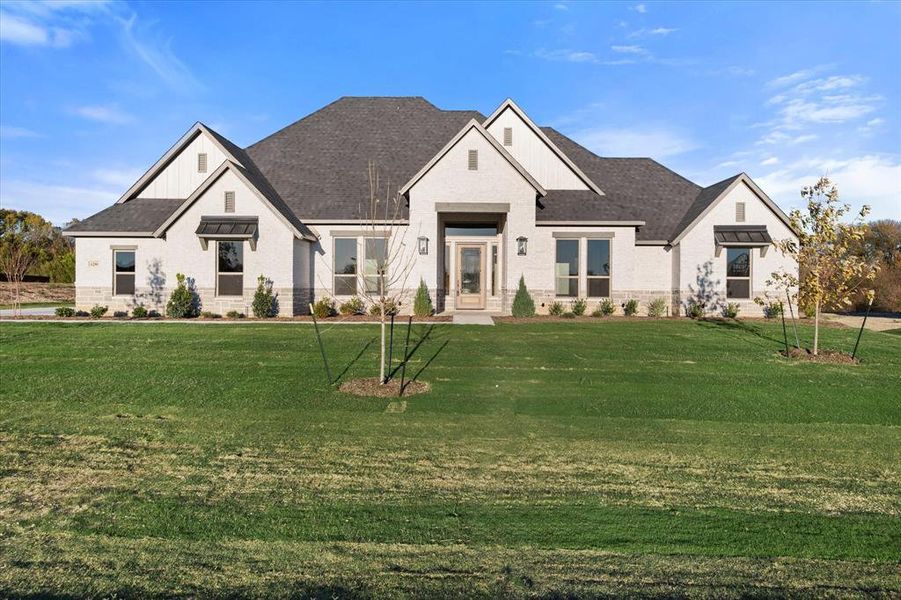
[582, 458]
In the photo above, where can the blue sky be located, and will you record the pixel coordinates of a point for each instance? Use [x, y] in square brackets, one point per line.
[91, 94]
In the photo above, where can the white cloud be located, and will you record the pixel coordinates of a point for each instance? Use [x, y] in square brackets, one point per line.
[658, 143]
[875, 122]
[869, 179]
[57, 203]
[640, 8]
[576, 56]
[103, 114]
[158, 56]
[780, 137]
[22, 32]
[797, 76]
[10, 132]
[770, 161]
[561, 6]
[48, 24]
[658, 31]
[637, 50]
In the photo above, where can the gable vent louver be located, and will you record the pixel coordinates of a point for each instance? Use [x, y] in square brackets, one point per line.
[201, 162]
[473, 160]
[739, 212]
[229, 202]
[508, 136]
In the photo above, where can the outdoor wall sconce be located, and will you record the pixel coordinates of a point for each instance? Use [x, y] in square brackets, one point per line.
[423, 245]
[521, 243]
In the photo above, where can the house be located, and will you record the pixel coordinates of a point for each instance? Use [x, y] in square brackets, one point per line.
[485, 201]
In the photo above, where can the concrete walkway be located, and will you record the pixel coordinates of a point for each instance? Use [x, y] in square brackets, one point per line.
[874, 323]
[474, 318]
[47, 311]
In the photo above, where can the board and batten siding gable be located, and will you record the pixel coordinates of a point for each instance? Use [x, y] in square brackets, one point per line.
[181, 177]
[534, 154]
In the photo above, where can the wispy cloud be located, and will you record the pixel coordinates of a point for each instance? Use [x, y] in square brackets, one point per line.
[11, 132]
[575, 56]
[659, 143]
[561, 6]
[773, 160]
[797, 76]
[640, 8]
[631, 49]
[158, 56]
[103, 114]
[48, 24]
[656, 31]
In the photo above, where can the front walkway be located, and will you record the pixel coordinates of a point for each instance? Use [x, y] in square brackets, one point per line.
[873, 322]
[473, 318]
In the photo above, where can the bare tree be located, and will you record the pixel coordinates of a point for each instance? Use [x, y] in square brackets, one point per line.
[24, 239]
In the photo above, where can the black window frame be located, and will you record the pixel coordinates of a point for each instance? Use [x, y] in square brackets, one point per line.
[599, 278]
[732, 279]
[229, 274]
[124, 274]
[348, 280]
[571, 276]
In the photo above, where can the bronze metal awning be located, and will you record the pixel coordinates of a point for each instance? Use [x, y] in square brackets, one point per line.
[741, 235]
[228, 228]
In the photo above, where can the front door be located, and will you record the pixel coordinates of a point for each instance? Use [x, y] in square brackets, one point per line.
[470, 276]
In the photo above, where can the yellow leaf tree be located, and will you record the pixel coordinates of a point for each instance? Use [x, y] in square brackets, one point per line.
[832, 271]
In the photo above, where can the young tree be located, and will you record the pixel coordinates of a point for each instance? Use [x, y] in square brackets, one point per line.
[387, 260]
[24, 240]
[832, 271]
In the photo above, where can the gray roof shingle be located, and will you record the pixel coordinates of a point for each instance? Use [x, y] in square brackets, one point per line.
[139, 215]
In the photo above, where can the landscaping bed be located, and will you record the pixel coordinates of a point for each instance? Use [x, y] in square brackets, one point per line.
[38, 293]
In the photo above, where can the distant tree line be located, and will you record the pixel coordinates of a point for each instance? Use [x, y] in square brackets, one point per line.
[31, 245]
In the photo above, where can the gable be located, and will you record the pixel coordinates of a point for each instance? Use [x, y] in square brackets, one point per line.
[448, 176]
[180, 176]
[535, 151]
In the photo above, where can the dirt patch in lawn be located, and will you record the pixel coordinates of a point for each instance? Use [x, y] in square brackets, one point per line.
[825, 356]
[31, 293]
[370, 386]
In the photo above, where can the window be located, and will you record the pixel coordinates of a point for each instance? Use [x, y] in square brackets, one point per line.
[345, 266]
[374, 263]
[739, 212]
[599, 268]
[229, 202]
[124, 272]
[447, 251]
[566, 268]
[230, 269]
[738, 272]
[508, 136]
[201, 162]
[494, 274]
[473, 160]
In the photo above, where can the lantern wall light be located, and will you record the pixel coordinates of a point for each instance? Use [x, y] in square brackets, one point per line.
[521, 245]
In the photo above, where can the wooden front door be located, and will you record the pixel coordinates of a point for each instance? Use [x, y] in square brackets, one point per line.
[470, 276]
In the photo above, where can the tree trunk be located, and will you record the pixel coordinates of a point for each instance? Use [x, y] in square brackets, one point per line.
[816, 329]
[382, 319]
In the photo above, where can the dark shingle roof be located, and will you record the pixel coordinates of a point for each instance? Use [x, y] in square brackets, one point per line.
[136, 215]
[319, 165]
[635, 189]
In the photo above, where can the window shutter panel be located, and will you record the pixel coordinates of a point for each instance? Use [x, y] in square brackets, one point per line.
[229, 202]
[201, 162]
[508, 136]
[739, 212]
[473, 160]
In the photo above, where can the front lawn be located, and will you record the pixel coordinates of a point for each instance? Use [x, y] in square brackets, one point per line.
[611, 457]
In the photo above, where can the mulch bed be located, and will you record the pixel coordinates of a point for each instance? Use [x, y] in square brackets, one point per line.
[370, 386]
[824, 356]
[37, 292]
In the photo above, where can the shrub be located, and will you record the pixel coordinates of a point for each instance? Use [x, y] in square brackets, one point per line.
[422, 304]
[154, 314]
[694, 310]
[630, 307]
[808, 310]
[139, 312]
[65, 311]
[324, 308]
[263, 305]
[579, 306]
[183, 303]
[568, 315]
[523, 305]
[82, 313]
[731, 310]
[604, 309]
[772, 310]
[354, 306]
[657, 307]
[555, 309]
[234, 314]
[391, 308]
[98, 311]
[120, 314]
[211, 315]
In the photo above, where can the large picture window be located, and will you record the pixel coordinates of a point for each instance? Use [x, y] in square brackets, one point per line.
[124, 272]
[230, 269]
[738, 273]
[345, 266]
[566, 268]
[599, 268]
[374, 263]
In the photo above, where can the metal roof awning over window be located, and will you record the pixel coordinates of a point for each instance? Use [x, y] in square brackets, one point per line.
[741, 235]
[228, 228]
